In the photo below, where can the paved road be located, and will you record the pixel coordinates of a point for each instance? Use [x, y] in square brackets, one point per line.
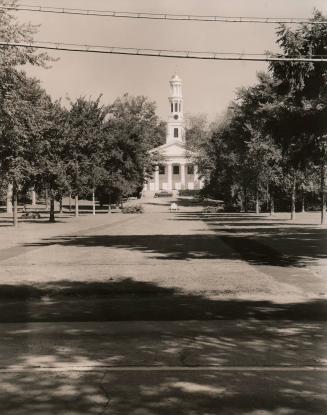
[165, 314]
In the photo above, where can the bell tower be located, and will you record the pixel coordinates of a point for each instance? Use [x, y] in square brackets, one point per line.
[175, 125]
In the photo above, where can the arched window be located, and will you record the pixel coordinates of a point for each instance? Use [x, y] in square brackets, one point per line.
[172, 107]
[176, 109]
[180, 107]
[175, 132]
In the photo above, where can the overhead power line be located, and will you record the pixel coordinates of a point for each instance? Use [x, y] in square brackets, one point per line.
[160, 16]
[164, 53]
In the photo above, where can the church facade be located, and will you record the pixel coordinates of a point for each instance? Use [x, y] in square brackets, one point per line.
[176, 171]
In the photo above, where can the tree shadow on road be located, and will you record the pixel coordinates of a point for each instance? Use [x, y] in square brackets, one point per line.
[257, 240]
[131, 300]
[158, 327]
[294, 247]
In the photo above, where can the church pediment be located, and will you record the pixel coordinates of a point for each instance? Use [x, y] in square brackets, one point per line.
[175, 149]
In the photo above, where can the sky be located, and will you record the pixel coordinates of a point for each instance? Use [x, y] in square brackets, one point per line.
[208, 86]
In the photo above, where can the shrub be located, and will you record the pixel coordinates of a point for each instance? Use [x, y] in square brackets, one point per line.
[31, 215]
[189, 192]
[133, 209]
[211, 209]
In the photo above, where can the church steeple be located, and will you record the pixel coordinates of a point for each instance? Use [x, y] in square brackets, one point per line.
[175, 126]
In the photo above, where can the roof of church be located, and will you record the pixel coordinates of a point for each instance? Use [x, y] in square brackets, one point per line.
[176, 143]
[175, 77]
[172, 143]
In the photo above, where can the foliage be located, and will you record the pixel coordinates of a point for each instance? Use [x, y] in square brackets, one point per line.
[22, 103]
[212, 209]
[83, 149]
[196, 131]
[131, 130]
[133, 209]
[51, 160]
[274, 132]
[189, 192]
[13, 31]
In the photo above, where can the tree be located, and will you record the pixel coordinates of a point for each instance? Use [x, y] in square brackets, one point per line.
[22, 103]
[308, 183]
[130, 132]
[52, 161]
[18, 94]
[196, 131]
[262, 161]
[246, 160]
[13, 31]
[83, 151]
[303, 95]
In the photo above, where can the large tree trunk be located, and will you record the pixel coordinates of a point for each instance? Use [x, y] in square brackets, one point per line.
[9, 199]
[322, 191]
[303, 204]
[272, 205]
[267, 198]
[76, 206]
[70, 202]
[293, 198]
[257, 201]
[242, 202]
[52, 209]
[245, 200]
[15, 205]
[61, 208]
[93, 202]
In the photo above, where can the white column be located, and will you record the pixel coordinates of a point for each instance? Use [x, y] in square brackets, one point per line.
[197, 181]
[9, 198]
[170, 176]
[183, 176]
[33, 198]
[156, 179]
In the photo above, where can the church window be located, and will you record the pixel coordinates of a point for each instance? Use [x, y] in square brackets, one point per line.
[162, 169]
[175, 132]
[175, 169]
[172, 107]
[180, 107]
[176, 108]
[190, 169]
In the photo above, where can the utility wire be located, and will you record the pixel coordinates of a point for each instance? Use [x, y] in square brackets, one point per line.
[164, 53]
[160, 16]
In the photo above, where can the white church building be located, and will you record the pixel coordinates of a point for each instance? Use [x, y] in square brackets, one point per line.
[176, 171]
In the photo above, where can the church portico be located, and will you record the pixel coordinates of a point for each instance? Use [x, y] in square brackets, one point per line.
[176, 171]
[173, 175]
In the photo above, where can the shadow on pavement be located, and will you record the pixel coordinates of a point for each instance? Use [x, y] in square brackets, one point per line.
[219, 393]
[274, 246]
[247, 333]
[130, 300]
